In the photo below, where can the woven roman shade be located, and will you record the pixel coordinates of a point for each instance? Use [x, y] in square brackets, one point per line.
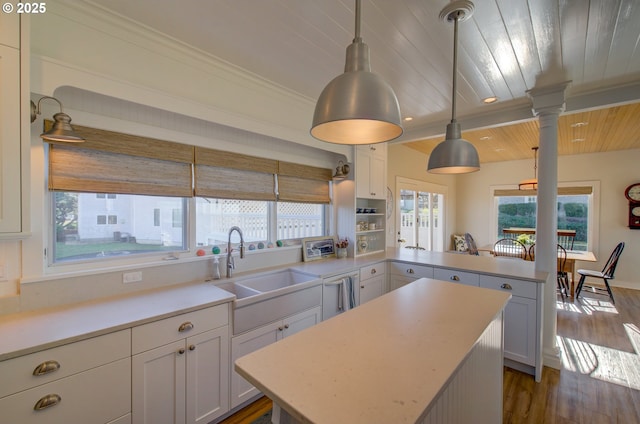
[227, 175]
[111, 162]
[562, 191]
[303, 183]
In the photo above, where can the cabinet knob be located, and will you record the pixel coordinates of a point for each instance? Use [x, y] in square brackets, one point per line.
[506, 286]
[192, 347]
[181, 351]
[373, 271]
[47, 402]
[373, 194]
[361, 287]
[410, 271]
[185, 326]
[280, 328]
[455, 278]
[286, 326]
[46, 367]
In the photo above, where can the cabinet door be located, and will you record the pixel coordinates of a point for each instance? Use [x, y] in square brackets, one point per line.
[241, 389]
[158, 385]
[372, 288]
[377, 177]
[301, 321]
[363, 166]
[10, 195]
[207, 375]
[520, 330]
[397, 281]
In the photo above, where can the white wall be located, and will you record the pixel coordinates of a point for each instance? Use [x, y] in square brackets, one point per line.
[614, 170]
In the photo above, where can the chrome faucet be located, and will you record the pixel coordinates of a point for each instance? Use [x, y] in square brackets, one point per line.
[230, 262]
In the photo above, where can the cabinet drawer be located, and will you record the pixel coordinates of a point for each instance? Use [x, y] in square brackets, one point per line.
[372, 271]
[62, 361]
[515, 287]
[158, 333]
[456, 276]
[411, 270]
[96, 396]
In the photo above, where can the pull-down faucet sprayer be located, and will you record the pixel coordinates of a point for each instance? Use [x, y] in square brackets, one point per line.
[230, 262]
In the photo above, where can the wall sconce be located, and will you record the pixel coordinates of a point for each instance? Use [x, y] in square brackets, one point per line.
[342, 171]
[61, 129]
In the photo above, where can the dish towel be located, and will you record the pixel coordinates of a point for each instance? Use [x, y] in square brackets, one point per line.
[348, 294]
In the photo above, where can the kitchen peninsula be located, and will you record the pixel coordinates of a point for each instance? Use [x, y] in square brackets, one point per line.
[427, 347]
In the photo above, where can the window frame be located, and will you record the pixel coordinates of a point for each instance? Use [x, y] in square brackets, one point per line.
[593, 219]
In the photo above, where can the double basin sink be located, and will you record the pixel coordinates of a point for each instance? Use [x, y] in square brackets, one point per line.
[265, 297]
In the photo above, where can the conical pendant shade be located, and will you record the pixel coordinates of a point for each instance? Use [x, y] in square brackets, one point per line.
[357, 107]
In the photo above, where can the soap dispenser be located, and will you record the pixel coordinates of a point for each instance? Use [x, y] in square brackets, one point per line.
[216, 268]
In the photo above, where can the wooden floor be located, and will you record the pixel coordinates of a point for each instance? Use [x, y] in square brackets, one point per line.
[600, 378]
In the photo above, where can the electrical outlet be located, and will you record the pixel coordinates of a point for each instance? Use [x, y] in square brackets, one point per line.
[132, 277]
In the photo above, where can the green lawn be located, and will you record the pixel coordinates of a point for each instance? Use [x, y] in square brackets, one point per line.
[78, 250]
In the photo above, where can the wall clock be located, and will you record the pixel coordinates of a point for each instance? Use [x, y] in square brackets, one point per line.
[389, 203]
[632, 193]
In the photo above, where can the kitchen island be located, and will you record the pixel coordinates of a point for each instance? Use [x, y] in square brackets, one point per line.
[430, 351]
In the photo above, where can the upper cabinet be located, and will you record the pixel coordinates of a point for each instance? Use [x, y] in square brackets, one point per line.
[13, 154]
[371, 171]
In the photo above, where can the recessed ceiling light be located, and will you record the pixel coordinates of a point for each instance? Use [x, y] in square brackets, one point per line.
[408, 118]
[579, 124]
[489, 100]
[499, 149]
[577, 140]
[485, 138]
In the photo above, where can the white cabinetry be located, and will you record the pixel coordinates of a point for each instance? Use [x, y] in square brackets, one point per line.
[401, 273]
[373, 282]
[83, 382]
[456, 276]
[245, 343]
[180, 368]
[522, 320]
[371, 171]
[12, 156]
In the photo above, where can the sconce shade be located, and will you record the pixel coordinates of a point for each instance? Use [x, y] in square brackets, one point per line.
[61, 129]
[357, 107]
[454, 155]
[342, 171]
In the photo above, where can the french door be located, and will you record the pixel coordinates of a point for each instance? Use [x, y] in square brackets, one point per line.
[420, 215]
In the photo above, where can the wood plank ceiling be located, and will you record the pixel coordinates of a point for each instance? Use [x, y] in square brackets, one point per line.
[505, 49]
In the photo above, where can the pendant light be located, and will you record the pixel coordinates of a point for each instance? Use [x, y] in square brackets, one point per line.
[454, 155]
[533, 183]
[358, 106]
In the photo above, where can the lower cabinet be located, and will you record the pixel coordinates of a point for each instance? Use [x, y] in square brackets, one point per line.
[85, 382]
[522, 320]
[401, 273]
[245, 343]
[373, 282]
[187, 379]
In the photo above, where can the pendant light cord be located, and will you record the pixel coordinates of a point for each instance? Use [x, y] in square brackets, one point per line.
[357, 37]
[455, 16]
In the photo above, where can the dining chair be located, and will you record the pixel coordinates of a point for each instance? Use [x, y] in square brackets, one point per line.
[471, 244]
[562, 274]
[532, 252]
[606, 274]
[510, 247]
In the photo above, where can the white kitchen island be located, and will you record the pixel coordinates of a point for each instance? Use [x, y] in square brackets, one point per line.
[428, 352]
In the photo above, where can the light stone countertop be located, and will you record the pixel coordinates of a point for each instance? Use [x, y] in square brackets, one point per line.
[383, 362]
[28, 332]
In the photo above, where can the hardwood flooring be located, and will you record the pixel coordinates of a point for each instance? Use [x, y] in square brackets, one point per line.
[600, 377]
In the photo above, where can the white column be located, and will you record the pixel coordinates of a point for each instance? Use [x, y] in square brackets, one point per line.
[548, 103]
